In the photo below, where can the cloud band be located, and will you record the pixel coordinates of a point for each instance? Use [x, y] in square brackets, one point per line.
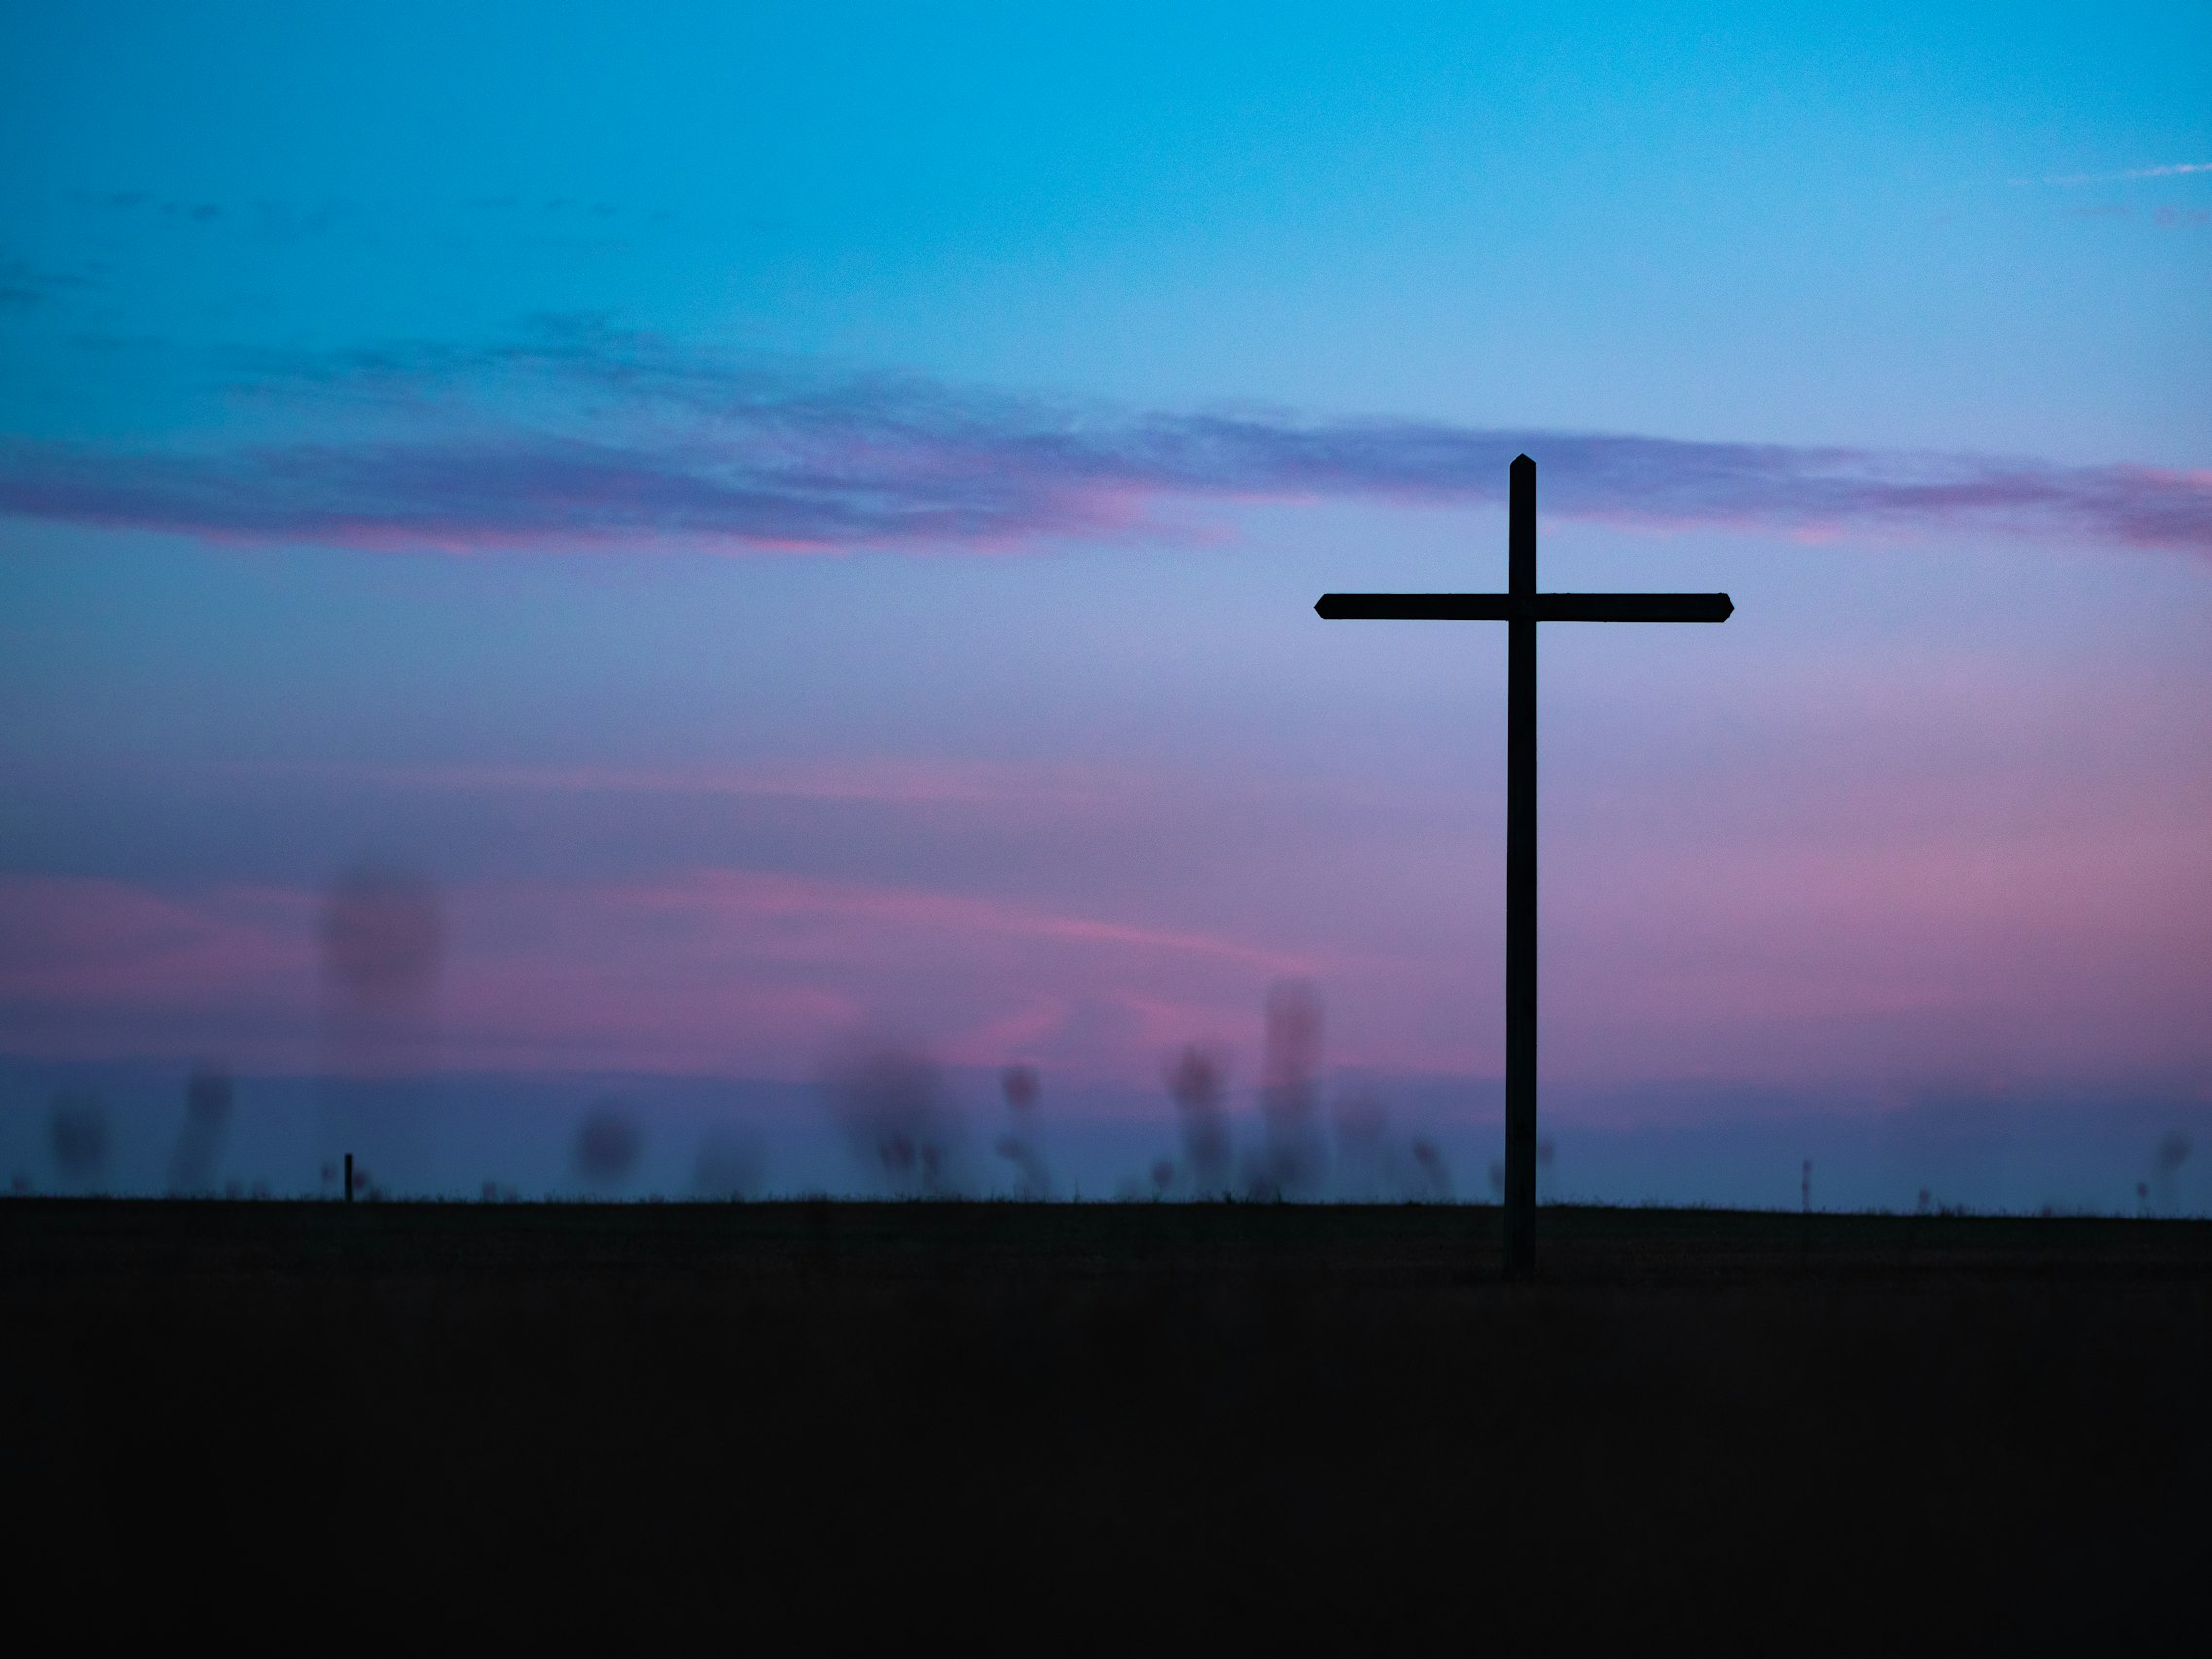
[603, 441]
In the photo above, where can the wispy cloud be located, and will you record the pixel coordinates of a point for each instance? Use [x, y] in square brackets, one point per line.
[883, 781]
[686, 970]
[592, 439]
[2177, 169]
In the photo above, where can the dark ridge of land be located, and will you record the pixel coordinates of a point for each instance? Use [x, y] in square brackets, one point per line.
[1108, 1422]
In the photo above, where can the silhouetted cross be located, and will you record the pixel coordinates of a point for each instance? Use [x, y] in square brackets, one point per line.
[1520, 607]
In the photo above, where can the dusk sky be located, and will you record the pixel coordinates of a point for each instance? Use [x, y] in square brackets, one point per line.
[802, 522]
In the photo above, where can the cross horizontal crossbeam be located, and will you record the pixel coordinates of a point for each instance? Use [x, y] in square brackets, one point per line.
[1534, 607]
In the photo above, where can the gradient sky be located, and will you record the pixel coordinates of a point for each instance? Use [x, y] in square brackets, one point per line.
[803, 521]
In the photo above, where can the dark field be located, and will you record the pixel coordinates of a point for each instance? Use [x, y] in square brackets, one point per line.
[1089, 1424]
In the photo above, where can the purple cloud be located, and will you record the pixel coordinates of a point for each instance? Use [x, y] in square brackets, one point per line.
[596, 439]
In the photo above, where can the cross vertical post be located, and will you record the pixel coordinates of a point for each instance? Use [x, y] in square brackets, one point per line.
[1521, 608]
[1521, 871]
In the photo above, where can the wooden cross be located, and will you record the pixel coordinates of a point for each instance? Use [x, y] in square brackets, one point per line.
[1521, 608]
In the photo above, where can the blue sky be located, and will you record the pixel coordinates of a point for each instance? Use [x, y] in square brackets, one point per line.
[1707, 223]
[803, 521]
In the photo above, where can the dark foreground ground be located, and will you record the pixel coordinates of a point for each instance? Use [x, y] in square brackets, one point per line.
[1080, 1426]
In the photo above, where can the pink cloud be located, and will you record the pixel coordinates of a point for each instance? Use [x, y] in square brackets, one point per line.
[2078, 944]
[1851, 913]
[708, 969]
[66, 939]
